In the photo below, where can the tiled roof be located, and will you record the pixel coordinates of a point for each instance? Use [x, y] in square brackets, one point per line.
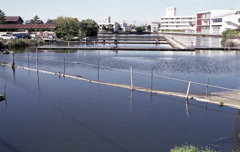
[27, 26]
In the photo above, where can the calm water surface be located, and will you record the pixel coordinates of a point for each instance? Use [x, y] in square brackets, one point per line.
[46, 113]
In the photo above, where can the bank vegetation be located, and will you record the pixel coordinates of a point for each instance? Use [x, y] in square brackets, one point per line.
[18, 43]
[231, 38]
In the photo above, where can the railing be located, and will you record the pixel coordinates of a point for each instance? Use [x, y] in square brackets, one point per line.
[174, 86]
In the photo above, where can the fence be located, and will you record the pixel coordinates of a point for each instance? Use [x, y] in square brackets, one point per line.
[158, 84]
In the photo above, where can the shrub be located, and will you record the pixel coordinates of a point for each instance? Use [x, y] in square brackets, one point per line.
[19, 43]
[2, 45]
[229, 34]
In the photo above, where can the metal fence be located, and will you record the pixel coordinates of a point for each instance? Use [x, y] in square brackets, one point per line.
[156, 82]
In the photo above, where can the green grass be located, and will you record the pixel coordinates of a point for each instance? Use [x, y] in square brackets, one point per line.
[191, 148]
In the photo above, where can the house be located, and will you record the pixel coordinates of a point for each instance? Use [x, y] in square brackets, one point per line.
[13, 20]
[50, 21]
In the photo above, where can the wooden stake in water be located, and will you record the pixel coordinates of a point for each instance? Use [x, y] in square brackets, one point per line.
[189, 85]
[131, 74]
[13, 63]
[64, 67]
[151, 77]
[4, 90]
[207, 87]
[36, 59]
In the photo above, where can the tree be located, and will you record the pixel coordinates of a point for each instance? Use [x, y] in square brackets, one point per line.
[66, 27]
[149, 27]
[139, 29]
[36, 20]
[104, 27]
[88, 27]
[110, 27]
[2, 17]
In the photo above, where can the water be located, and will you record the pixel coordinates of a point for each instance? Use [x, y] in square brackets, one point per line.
[48, 113]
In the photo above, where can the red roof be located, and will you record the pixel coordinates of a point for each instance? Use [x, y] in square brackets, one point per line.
[12, 18]
[27, 26]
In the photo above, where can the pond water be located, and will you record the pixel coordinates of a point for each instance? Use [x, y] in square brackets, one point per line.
[49, 113]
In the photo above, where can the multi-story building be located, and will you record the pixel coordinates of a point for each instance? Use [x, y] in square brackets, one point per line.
[217, 21]
[107, 24]
[173, 22]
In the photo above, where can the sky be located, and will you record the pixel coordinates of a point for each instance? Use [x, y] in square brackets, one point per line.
[131, 11]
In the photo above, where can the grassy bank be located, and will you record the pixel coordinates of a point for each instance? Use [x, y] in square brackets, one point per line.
[191, 148]
[20, 43]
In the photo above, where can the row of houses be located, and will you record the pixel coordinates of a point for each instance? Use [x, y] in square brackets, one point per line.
[207, 22]
[15, 23]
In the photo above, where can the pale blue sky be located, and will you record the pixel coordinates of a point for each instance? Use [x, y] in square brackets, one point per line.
[141, 11]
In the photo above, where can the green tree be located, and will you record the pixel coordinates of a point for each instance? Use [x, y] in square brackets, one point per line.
[66, 27]
[35, 20]
[2, 17]
[139, 29]
[88, 27]
[149, 27]
[110, 27]
[104, 27]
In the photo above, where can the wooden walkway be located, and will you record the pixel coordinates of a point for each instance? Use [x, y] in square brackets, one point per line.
[229, 98]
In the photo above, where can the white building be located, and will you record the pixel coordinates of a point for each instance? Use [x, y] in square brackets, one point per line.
[107, 23]
[107, 19]
[155, 26]
[173, 22]
[217, 21]
[124, 26]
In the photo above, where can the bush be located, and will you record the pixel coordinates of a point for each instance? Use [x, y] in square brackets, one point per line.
[229, 34]
[19, 43]
[191, 148]
[2, 45]
[25, 43]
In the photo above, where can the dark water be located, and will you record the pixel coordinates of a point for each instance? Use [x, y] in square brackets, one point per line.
[48, 113]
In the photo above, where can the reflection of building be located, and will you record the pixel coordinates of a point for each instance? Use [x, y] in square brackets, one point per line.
[217, 21]
[155, 26]
[173, 22]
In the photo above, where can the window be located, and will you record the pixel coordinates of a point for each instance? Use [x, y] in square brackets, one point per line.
[217, 20]
[206, 15]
